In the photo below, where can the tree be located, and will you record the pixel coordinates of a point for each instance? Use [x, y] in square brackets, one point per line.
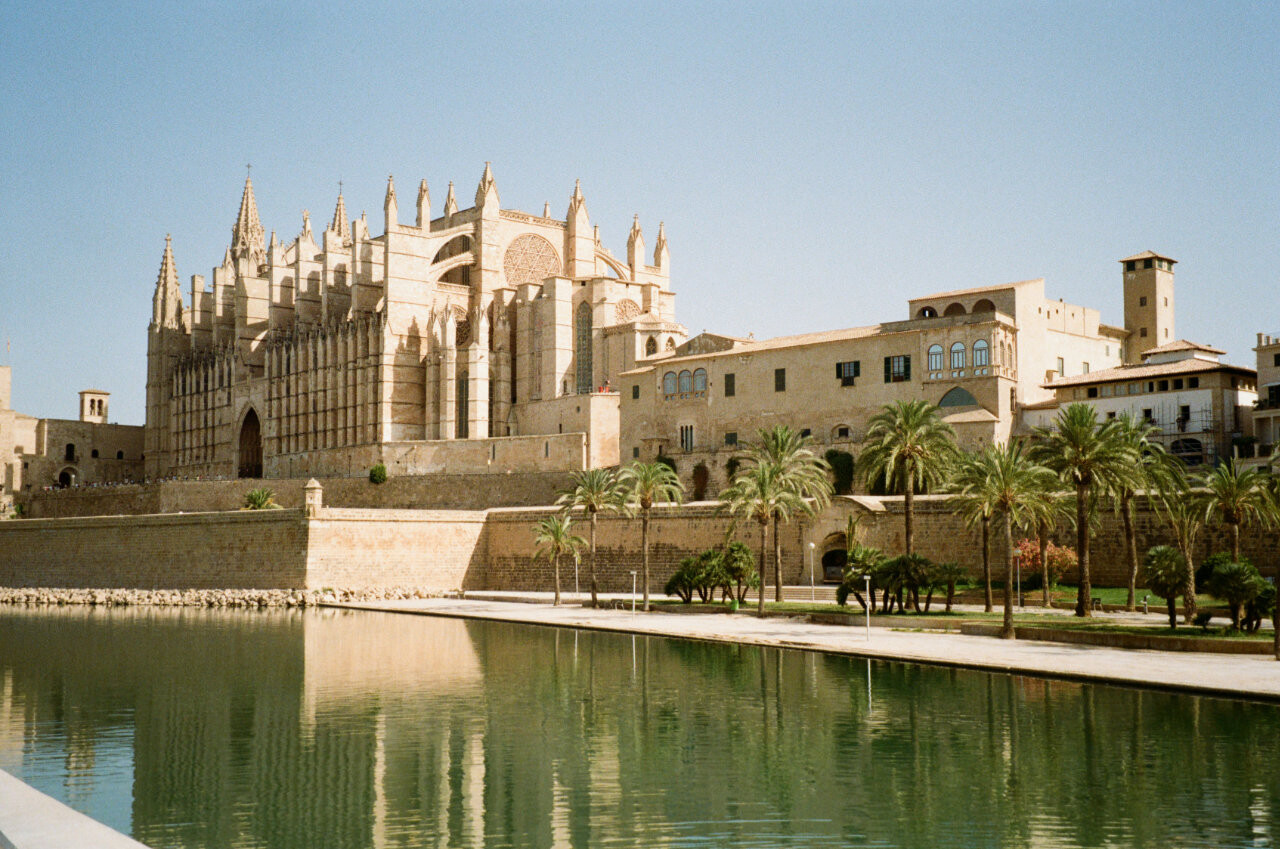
[555, 539]
[1237, 584]
[1157, 469]
[861, 562]
[968, 482]
[260, 499]
[1165, 572]
[800, 470]
[1055, 508]
[910, 445]
[643, 485]
[595, 491]
[739, 566]
[757, 492]
[948, 575]
[1010, 488]
[1090, 457]
[1236, 496]
[1186, 520]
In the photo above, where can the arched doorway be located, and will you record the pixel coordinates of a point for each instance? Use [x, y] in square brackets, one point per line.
[835, 557]
[250, 447]
[68, 477]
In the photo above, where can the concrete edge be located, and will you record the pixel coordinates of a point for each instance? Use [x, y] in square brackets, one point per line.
[30, 819]
[853, 651]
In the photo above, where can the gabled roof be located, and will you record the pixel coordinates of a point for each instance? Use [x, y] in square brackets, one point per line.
[1148, 255]
[1182, 345]
[1141, 372]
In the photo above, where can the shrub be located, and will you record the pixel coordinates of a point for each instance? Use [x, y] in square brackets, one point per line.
[946, 576]
[1059, 558]
[841, 463]
[1259, 607]
[378, 474]
[704, 574]
[260, 499]
[901, 578]
[682, 582]
[1237, 584]
[862, 560]
[1202, 619]
[1207, 568]
[738, 565]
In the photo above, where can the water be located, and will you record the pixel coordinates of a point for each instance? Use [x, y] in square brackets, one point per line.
[339, 729]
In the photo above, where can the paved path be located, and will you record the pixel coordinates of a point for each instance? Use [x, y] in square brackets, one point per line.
[1237, 676]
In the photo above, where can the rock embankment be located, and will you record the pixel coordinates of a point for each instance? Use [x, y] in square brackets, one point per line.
[202, 598]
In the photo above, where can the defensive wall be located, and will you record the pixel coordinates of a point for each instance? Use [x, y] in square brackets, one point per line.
[360, 548]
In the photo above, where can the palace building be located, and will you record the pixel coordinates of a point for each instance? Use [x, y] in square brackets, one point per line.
[481, 339]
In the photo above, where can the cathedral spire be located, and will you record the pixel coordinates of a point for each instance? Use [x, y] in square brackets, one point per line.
[450, 202]
[576, 201]
[486, 188]
[340, 224]
[661, 256]
[166, 304]
[246, 235]
[635, 247]
[424, 205]
[389, 205]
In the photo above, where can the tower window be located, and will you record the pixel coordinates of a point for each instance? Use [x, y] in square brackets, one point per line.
[730, 385]
[1146, 263]
[779, 380]
[635, 392]
[1142, 331]
[1142, 302]
[1062, 367]
[731, 438]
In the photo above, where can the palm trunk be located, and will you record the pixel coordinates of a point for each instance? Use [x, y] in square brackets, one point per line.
[764, 563]
[909, 515]
[1172, 601]
[644, 555]
[986, 561]
[777, 562]
[556, 561]
[1044, 565]
[594, 588]
[1006, 630]
[1235, 541]
[1083, 591]
[1130, 547]
[1189, 593]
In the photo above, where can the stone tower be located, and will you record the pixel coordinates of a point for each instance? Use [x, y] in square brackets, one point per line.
[1148, 303]
[166, 341]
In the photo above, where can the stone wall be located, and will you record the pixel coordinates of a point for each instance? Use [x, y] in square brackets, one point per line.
[427, 549]
[425, 492]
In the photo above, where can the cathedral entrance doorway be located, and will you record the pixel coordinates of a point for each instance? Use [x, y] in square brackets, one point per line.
[250, 447]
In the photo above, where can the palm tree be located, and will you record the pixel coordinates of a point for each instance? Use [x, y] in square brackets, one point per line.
[968, 479]
[1010, 489]
[643, 484]
[595, 491]
[260, 499]
[1056, 508]
[759, 492]
[1186, 520]
[1165, 571]
[1236, 496]
[554, 539]
[1157, 469]
[1091, 457]
[910, 445]
[799, 469]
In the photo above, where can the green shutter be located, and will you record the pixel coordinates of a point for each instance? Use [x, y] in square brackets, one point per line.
[839, 370]
[857, 368]
[888, 369]
[906, 367]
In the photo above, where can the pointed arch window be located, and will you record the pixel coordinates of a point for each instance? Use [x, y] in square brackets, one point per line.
[582, 348]
[651, 347]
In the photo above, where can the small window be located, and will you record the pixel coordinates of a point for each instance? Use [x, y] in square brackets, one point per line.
[1166, 302]
[1142, 302]
[1146, 263]
[1142, 331]
[1111, 415]
[981, 354]
[700, 380]
[1193, 383]
[669, 383]
[686, 437]
[1177, 383]
[686, 382]
[1275, 359]
[804, 431]
[1084, 368]
[94, 453]
[1184, 413]
[1062, 367]
[842, 432]
[730, 385]
[1151, 386]
[119, 455]
[848, 372]
[1092, 392]
[897, 369]
[70, 453]
[957, 355]
[650, 348]
[731, 437]
[1146, 415]
[779, 380]
[1131, 266]
[635, 450]
[635, 392]
[935, 358]
[1162, 385]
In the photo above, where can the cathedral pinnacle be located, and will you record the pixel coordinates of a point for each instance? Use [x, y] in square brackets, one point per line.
[340, 224]
[660, 252]
[389, 204]
[424, 205]
[167, 302]
[246, 235]
[486, 186]
[450, 202]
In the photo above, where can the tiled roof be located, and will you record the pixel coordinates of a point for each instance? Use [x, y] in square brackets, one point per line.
[1182, 345]
[975, 290]
[1147, 255]
[1141, 372]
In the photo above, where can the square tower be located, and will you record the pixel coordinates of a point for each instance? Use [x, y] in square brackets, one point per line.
[93, 406]
[1148, 303]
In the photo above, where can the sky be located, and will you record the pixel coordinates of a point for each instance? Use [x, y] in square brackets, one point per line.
[816, 164]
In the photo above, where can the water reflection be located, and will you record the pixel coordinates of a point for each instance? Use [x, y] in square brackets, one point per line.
[205, 729]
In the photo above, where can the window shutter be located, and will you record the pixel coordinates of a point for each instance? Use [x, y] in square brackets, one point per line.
[839, 370]
[888, 374]
[857, 368]
[906, 367]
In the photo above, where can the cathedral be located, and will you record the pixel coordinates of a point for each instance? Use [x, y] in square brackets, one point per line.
[484, 339]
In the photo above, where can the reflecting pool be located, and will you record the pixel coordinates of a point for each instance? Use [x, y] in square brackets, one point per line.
[194, 728]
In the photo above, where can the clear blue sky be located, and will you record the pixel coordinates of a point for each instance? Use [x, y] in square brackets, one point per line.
[816, 164]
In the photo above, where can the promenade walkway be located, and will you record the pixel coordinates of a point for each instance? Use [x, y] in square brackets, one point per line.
[1234, 676]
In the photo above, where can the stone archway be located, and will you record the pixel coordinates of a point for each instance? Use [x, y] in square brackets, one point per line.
[250, 465]
[835, 557]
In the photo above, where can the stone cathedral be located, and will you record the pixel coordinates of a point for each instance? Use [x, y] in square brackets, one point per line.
[484, 339]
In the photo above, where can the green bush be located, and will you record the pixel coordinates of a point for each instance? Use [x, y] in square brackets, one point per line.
[1207, 567]
[260, 499]
[1165, 573]
[702, 574]
[378, 474]
[1237, 584]
[841, 463]
[861, 560]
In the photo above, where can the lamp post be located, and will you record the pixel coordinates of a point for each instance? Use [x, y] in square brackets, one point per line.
[867, 578]
[812, 591]
[1017, 561]
[633, 591]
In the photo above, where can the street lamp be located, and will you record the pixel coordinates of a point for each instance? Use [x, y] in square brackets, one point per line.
[812, 592]
[867, 577]
[1017, 561]
[633, 592]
